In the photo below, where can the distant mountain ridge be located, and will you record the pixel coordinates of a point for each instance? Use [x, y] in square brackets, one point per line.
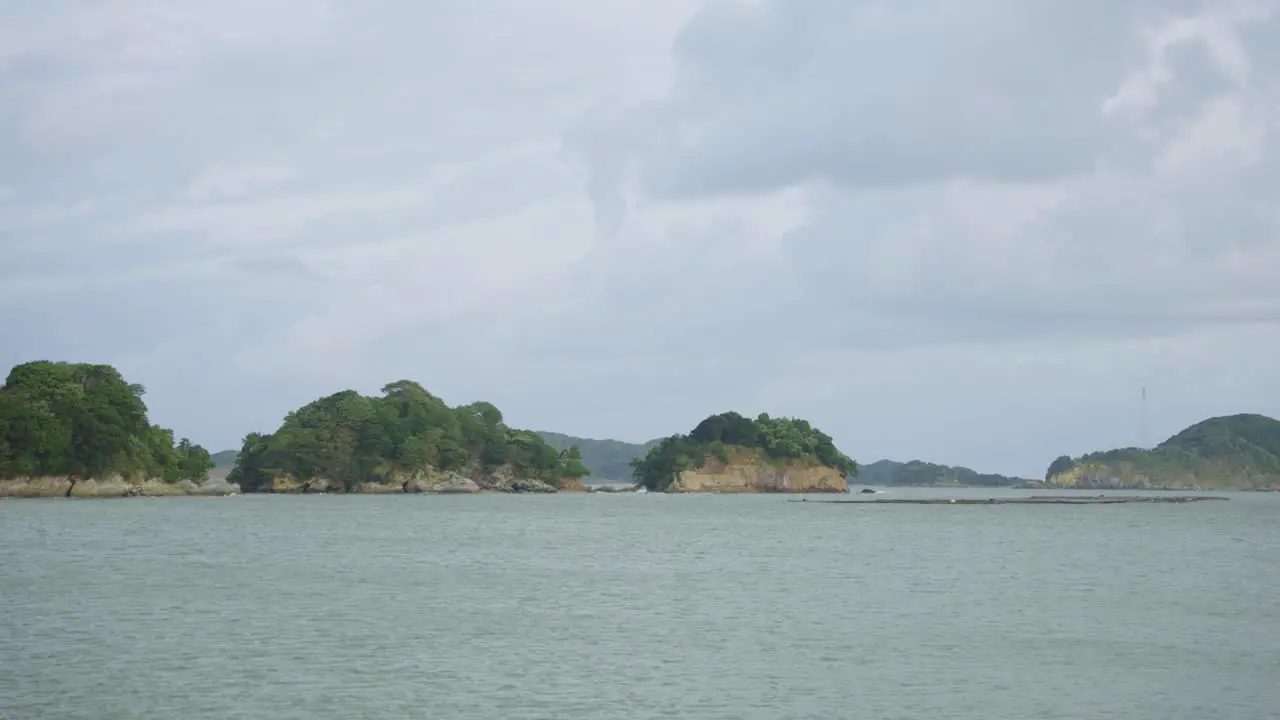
[1232, 452]
[927, 474]
[225, 459]
[608, 460]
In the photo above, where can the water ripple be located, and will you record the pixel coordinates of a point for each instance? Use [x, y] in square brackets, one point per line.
[590, 607]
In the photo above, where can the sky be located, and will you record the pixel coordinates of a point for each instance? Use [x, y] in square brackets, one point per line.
[969, 233]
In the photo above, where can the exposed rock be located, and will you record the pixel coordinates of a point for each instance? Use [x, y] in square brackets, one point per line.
[209, 488]
[35, 487]
[750, 471]
[571, 484]
[501, 479]
[444, 483]
[417, 485]
[530, 485]
[110, 487]
[324, 485]
[283, 484]
[382, 488]
[505, 479]
[456, 484]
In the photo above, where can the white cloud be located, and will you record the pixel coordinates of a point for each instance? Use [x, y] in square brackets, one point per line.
[937, 230]
[1223, 132]
[233, 182]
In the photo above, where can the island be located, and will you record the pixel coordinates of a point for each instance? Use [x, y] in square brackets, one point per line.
[1234, 452]
[405, 440]
[918, 473]
[730, 453]
[81, 430]
[610, 462]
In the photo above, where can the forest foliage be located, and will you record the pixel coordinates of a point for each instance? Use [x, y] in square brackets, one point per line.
[785, 440]
[1229, 451]
[85, 421]
[354, 439]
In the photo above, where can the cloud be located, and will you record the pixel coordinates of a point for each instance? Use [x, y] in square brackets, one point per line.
[938, 230]
[982, 182]
[228, 182]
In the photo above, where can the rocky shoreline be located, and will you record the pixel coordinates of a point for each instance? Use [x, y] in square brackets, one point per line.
[503, 479]
[50, 487]
[444, 484]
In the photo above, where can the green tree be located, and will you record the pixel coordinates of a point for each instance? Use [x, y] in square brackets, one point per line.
[355, 439]
[571, 464]
[1062, 464]
[782, 439]
[84, 421]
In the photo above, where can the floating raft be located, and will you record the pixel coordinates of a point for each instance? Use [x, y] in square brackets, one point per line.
[1035, 500]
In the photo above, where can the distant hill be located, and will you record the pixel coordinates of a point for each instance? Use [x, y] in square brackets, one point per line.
[608, 460]
[920, 473]
[223, 462]
[1231, 452]
[225, 459]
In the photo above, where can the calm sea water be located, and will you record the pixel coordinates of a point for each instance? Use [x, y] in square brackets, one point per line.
[624, 606]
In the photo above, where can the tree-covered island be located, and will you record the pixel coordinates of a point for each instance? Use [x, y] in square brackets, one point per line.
[732, 453]
[406, 440]
[1233, 452]
[73, 428]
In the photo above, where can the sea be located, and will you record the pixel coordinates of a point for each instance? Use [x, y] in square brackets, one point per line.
[638, 606]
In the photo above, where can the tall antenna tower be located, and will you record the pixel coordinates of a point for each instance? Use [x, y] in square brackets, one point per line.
[1142, 420]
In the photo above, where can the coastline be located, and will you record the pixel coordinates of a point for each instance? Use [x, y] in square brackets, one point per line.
[63, 487]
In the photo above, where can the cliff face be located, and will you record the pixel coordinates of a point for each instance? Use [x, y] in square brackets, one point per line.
[749, 471]
[110, 487]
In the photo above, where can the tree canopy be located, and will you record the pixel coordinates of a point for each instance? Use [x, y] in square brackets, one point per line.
[84, 421]
[1230, 451]
[354, 439]
[780, 439]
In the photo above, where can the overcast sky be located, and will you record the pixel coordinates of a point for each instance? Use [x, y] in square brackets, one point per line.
[963, 232]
